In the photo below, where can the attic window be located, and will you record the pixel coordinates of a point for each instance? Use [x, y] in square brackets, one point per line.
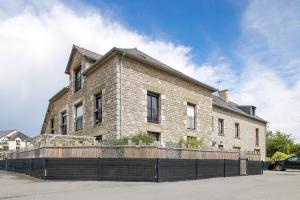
[77, 85]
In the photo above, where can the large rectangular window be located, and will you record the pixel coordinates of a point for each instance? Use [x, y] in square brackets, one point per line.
[78, 116]
[152, 107]
[191, 122]
[256, 136]
[221, 126]
[77, 83]
[237, 130]
[63, 126]
[98, 109]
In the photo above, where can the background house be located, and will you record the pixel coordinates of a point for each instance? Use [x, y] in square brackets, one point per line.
[12, 140]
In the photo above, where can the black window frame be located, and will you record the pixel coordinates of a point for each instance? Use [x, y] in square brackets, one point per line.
[257, 137]
[193, 119]
[237, 130]
[151, 118]
[98, 113]
[52, 125]
[78, 120]
[18, 142]
[191, 138]
[64, 122]
[77, 79]
[221, 121]
[156, 135]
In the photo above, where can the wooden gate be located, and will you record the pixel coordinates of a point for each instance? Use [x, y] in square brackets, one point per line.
[243, 166]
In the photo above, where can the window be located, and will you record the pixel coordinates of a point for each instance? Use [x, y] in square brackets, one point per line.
[18, 142]
[221, 126]
[191, 138]
[63, 127]
[98, 109]
[99, 138]
[154, 135]
[77, 84]
[52, 126]
[256, 136]
[256, 151]
[78, 117]
[5, 148]
[294, 158]
[237, 130]
[17, 148]
[220, 147]
[237, 148]
[190, 116]
[152, 107]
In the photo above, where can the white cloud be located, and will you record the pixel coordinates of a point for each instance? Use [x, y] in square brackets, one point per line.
[270, 51]
[36, 39]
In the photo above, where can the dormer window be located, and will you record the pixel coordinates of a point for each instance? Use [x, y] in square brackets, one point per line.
[77, 82]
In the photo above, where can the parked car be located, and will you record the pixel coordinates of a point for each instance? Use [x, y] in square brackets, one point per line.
[289, 163]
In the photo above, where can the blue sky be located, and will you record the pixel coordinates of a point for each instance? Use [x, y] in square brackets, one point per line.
[253, 47]
[204, 25]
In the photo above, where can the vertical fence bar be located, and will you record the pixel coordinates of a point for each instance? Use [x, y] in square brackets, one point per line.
[98, 169]
[224, 167]
[157, 170]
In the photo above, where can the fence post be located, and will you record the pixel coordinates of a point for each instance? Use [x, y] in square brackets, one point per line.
[240, 167]
[30, 166]
[196, 169]
[44, 168]
[157, 170]
[98, 169]
[224, 167]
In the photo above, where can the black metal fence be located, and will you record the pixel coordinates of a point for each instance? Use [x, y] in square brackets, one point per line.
[126, 169]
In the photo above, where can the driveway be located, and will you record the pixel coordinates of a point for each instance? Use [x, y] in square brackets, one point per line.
[271, 185]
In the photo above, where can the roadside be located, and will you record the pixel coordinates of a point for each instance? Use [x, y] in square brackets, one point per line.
[271, 185]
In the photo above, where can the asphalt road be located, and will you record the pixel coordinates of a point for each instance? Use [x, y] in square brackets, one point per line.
[271, 185]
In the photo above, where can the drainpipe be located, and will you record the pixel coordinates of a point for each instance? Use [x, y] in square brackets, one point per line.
[121, 66]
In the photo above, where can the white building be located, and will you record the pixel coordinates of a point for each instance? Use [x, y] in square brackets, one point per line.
[12, 140]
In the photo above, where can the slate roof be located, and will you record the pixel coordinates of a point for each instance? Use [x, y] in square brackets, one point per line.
[88, 53]
[14, 135]
[231, 106]
[141, 56]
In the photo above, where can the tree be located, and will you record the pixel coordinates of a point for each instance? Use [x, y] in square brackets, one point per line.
[281, 142]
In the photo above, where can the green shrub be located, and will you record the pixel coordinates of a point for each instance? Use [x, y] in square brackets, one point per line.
[281, 156]
[193, 143]
[143, 137]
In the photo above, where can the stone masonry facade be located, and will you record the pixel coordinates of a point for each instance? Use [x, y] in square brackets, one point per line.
[124, 79]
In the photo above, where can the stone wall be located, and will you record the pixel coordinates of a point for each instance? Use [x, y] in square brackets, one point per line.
[246, 141]
[174, 92]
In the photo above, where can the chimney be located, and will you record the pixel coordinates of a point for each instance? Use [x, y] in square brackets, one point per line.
[223, 94]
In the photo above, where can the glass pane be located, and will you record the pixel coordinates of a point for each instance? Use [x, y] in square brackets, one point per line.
[154, 108]
[191, 111]
[79, 111]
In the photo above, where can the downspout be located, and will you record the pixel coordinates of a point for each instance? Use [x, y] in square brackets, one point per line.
[121, 66]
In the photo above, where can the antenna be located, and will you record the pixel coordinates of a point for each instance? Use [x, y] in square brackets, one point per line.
[219, 83]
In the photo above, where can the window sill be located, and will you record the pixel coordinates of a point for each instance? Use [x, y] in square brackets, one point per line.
[151, 122]
[237, 138]
[221, 134]
[192, 129]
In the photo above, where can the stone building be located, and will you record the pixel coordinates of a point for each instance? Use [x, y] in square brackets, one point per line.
[125, 92]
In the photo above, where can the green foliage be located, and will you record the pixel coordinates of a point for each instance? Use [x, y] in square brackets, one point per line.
[281, 156]
[143, 137]
[279, 141]
[193, 143]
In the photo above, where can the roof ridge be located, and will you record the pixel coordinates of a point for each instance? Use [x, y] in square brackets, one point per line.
[77, 46]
